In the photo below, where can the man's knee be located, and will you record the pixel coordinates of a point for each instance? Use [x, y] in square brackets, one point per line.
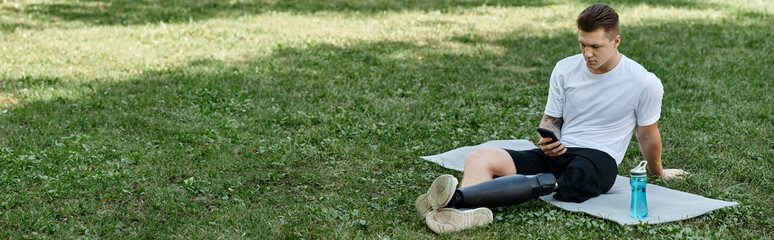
[495, 160]
[485, 154]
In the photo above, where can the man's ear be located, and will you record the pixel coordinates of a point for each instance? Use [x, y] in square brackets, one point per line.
[617, 40]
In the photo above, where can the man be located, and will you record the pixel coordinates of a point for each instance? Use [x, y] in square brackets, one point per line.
[596, 100]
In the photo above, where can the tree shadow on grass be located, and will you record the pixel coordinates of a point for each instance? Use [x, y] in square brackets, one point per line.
[9, 27]
[129, 12]
[319, 124]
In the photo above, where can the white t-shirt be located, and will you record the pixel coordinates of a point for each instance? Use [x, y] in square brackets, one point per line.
[601, 111]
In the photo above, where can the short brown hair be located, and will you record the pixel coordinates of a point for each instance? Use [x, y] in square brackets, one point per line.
[599, 16]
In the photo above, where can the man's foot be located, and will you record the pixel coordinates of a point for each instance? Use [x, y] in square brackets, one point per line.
[446, 220]
[439, 194]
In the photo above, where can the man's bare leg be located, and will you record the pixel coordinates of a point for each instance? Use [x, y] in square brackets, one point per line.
[485, 164]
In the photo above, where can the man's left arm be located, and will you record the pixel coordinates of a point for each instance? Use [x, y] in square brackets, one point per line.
[650, 146]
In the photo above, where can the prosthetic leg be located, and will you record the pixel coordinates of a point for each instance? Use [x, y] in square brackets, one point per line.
[502, 191]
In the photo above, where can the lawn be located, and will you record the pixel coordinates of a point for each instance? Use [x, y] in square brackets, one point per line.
[306, 119]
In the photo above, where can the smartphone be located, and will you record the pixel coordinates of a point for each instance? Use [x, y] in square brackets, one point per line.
[545, 133]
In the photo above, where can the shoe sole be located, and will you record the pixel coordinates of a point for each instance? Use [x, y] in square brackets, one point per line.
[438, 196]
[447, 220]
[423, 206]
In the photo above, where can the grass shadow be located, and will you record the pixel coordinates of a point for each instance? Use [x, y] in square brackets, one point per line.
[326, 136]
[127, 12]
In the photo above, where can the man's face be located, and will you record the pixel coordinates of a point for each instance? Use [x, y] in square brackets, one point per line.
[599, 50]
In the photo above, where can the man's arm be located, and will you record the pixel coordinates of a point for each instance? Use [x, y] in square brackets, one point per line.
[555, 125]
[650, 146]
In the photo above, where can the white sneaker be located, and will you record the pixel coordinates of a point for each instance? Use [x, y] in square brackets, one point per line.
[446, 220]
[439, 194]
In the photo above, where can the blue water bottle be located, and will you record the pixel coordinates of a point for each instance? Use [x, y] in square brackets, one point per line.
[638, 181]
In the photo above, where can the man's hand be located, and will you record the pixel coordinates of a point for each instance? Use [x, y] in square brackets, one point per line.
[552, 150]
[669, 174]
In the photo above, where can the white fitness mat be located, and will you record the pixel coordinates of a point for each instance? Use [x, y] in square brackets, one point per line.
[664, 204]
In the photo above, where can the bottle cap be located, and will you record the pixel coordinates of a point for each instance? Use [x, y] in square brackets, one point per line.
[639, 170]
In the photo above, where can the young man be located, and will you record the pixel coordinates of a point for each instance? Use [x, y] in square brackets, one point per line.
[596, 100]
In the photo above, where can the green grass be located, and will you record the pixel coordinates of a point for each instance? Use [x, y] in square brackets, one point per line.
[306, 119]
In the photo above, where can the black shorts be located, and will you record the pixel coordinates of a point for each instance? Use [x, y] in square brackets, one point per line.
[582, 173]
